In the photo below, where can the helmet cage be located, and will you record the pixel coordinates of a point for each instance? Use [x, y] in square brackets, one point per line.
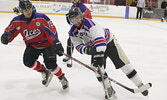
[74, 13]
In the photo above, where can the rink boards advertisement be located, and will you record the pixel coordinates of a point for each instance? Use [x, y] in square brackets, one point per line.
[153, 13]
[53, 7]
[59, 8]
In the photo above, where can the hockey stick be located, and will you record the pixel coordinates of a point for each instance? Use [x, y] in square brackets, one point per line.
[136, 90]
[104, 86]
[69, 63]
[71, 50]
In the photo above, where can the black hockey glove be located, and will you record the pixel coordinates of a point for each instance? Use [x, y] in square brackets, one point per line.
[58, 46]
[5, 38]
[98, 59]
[16, 10]
[90, 50]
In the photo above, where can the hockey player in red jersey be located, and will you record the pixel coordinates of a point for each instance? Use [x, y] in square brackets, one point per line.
[86, 13]
[40, 37]
[90, 38]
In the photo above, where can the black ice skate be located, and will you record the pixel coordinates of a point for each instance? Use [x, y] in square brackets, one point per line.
[64, 82]
[46, 77]
[66, 59]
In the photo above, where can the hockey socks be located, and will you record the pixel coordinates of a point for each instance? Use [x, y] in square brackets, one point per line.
[131, 73]
[58, 72]
[47, 77]
[37, 66]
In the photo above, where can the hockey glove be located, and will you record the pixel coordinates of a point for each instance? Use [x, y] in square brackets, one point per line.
[16, 10]
[98, 59]
[58, 46]
[90, 50]
[5, 38]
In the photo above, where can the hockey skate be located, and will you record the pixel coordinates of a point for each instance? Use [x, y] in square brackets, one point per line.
[66, 59]
[144, 93]
[46, 77]
[64, 82]
[111, 93]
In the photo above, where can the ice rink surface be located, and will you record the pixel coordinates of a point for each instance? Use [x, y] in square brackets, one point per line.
[144, 42]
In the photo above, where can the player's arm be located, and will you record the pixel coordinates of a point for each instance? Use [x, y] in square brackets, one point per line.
[50, 29]
[99, 40]
[78, 44]
[10, 33]
[51, 33]
[99, 47]
[5, 38]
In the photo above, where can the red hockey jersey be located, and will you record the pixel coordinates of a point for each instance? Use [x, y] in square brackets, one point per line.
[39, 32]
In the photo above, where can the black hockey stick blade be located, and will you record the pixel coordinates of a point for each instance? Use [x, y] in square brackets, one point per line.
[69, 65]
[143, 88]
[104, 86]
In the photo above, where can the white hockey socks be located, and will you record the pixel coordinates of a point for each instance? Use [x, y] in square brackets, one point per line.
[131, 73]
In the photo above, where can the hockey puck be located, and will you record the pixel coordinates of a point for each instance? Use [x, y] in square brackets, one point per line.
[69, 65]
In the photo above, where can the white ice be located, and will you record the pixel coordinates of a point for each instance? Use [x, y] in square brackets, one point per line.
[143, 41]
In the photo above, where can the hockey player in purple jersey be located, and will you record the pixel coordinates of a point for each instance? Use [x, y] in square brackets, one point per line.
[92, 39]
[40, 37]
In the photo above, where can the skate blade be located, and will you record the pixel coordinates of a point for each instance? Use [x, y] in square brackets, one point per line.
[49, 80]
[66, 89]
[69, 63]
[114, 97]
[66, 60]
